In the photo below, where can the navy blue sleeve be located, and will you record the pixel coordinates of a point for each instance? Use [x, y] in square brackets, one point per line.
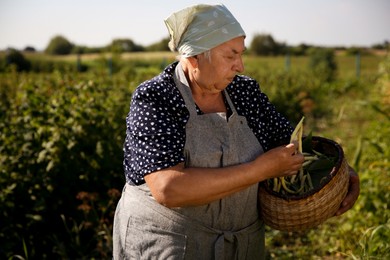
[155, 135]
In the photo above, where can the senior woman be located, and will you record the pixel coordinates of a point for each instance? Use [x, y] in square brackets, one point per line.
[199, 140]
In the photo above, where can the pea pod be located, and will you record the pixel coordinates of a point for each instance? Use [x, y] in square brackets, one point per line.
[301, 182]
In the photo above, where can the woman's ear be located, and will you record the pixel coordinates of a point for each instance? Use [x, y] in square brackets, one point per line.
[193, 61]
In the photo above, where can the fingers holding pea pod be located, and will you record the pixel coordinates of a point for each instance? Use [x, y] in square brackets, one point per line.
[301, 182]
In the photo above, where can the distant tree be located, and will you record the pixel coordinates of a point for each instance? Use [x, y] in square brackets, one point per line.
[59, 45]
[16, 58]
[29, 49]
[125, 45]
[264, 44]
[159, 46]
[381, 46]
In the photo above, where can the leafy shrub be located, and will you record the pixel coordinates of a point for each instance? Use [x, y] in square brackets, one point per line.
[293, 93]
[323, 64]
[364, 231]
[58, 138]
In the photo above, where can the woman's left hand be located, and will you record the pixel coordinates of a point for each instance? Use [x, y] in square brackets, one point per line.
[353, 193]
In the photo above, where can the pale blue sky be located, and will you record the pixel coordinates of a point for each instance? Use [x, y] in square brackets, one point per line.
[96, 23]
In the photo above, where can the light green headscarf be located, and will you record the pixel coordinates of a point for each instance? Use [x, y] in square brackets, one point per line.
[199, 28]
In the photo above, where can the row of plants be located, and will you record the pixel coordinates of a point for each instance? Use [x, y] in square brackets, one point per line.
[61, 156]
[360, 122]
[61, 137]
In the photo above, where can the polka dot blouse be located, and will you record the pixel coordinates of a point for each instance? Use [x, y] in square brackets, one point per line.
[156, 123]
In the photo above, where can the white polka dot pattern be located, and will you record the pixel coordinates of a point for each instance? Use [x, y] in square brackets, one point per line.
[155, 135]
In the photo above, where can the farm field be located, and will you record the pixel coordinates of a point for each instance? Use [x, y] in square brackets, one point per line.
[62, 129]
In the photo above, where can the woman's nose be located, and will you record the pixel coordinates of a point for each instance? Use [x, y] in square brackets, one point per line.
[239, 65]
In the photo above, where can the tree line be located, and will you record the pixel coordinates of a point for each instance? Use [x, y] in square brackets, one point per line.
[261, 44]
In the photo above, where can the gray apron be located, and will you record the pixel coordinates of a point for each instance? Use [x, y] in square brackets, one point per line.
[229, 228]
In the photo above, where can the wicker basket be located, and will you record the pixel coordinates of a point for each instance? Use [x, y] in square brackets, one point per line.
[299, 213]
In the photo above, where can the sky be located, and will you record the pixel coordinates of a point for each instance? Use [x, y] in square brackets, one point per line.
[95, 23]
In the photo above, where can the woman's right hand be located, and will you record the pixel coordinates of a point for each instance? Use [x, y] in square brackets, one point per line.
[280, 161]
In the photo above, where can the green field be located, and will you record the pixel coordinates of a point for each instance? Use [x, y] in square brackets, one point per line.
[62, 131]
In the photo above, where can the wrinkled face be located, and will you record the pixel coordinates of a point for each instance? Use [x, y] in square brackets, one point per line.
[216, 73]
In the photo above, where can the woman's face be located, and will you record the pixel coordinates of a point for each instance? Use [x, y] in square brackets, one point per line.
[215, 74]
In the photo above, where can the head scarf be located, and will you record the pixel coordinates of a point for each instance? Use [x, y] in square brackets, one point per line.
[199, 28]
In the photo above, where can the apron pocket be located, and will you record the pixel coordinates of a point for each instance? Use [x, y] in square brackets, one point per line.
[146, 241]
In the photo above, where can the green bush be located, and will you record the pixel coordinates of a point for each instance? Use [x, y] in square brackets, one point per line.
[323, 64]
[60, 164]
[364, 231]
[295, 94]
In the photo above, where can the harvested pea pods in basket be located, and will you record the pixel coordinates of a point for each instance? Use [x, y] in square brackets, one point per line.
[305, 200]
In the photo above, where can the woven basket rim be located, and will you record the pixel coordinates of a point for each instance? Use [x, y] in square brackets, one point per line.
[300, 215]
[333, 172]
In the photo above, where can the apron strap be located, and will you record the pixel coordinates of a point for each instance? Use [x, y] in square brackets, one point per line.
[232, 107]
[220, 244]
[238, 238]
[183, 86]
